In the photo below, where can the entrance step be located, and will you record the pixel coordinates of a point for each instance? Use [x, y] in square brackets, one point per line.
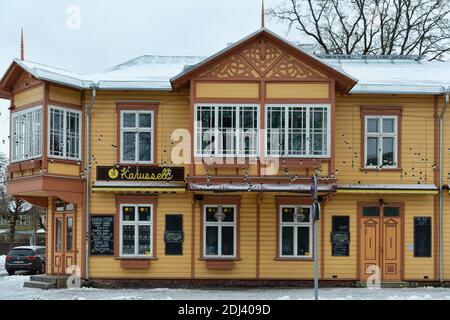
[38, 285]
[385, 284]
[47, 281]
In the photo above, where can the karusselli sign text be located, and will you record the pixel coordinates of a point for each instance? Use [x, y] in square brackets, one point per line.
[140, 173]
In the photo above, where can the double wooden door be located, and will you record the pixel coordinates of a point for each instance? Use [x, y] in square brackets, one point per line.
[64, 242]
[380, 242]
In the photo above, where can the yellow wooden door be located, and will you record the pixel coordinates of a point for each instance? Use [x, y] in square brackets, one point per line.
[370, 248]
[391, 249]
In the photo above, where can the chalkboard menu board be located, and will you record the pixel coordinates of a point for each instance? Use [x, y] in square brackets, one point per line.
[340, 236]
[102, 235]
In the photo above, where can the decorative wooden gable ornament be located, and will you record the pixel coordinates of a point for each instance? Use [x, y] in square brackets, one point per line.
[264, 56]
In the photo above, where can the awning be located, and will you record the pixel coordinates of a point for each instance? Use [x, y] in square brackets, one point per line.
[138, 186]
[259, 187]
[387, 188]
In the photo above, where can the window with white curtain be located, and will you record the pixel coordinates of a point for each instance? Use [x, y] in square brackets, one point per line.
[298, 130]
[64, 133]
[226, 130]
[26, 134]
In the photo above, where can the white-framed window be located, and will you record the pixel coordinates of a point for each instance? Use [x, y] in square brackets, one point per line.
[136, 230]
[226, 130]
[219, 231]
[298, 130]
[380, 142]
[64, 133]
[136, 136]
[26, 134]
[295, 231]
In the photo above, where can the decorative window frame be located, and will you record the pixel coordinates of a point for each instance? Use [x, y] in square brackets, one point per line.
[64, 132]
[295, 225]
[287, 107]
[18, 113]
[216, 130]
[136, 223]
[219, 225]
[125, 106]
[289, 201]
[135, 201]
[385, 111]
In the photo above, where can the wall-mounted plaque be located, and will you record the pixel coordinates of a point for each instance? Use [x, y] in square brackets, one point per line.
[102, 235]
[140, 173]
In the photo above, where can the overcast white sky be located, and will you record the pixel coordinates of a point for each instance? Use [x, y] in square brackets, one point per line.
[113, 31]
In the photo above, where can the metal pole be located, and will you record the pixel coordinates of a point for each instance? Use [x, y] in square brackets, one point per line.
[316, 259]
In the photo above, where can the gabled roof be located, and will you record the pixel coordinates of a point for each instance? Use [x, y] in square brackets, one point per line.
[383, 75]
[343, 81]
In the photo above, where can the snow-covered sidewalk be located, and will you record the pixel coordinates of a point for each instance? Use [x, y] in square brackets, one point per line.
[11, 288]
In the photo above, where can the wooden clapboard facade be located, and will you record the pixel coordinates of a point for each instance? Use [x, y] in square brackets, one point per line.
[370, 215]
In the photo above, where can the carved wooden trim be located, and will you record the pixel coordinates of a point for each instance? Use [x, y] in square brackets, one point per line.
[233, 67]
[262, 55]
[25, 81]
[291, 68]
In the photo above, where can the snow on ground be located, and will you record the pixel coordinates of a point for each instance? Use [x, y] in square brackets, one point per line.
[2, 262]
[11, 288]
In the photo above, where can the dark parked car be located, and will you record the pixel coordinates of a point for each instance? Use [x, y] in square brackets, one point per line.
[28, 258]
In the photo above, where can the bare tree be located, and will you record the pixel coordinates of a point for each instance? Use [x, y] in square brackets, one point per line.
[384, 27]
[10, 209]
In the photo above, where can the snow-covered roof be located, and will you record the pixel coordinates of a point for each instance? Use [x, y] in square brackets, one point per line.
[155, 72]
[389, 75]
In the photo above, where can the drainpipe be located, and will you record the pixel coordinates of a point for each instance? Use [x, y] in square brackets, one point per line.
[441, 130]
[88, 175]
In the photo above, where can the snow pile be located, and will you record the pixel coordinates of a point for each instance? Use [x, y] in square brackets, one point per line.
[2, 262]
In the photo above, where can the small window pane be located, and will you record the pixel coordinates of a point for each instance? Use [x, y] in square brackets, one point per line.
[212, 244]
[287, 241]
[388, 125]
[69, 234]
[288, 215]
[144, 240]
[144, 214]
[391, 212]
[388, 151]
[129, 146]
[129, 120]
[371, 212]
[372, 152]
[58, 236]
[303, 241]
[229, 214]
[145, 120]
[227, 241]
[128, 240]
[210, 214]
[145, 145]
[372, 125]
[128, 214]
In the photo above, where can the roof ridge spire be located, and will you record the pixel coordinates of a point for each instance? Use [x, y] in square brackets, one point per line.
[262, 15]
[22, 46]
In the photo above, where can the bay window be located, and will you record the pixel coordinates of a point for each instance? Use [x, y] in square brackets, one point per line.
[295, 231]
[380, 141]
[64, 132]
[219, 231]
[298, 130]
[136, 229]
[136, 136]
[226, 130]
[26, 134]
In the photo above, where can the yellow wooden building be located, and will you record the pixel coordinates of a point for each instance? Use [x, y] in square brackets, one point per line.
[197, 169]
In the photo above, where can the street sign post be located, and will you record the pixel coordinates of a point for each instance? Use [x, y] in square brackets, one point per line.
[316, 216]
